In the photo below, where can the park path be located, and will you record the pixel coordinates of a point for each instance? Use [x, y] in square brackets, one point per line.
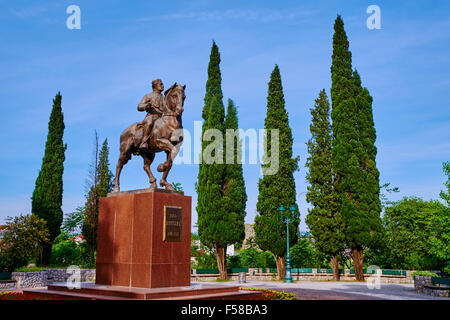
[340, 290]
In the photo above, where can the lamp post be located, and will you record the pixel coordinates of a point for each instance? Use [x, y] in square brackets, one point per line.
[286, 218]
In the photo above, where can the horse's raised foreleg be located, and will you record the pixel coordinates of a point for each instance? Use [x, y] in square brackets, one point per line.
[148, 159]
[163, 182]
[169, 148]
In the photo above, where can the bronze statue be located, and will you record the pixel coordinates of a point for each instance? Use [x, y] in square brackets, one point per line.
[161, 130]
[153, 103]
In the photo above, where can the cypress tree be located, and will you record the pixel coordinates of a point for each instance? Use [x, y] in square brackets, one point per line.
[48, 192]
[212, 224]
[234, 193]
[214, 82]
[100, 185]
[353, 152]
[220, 187]
[323, 219]
[105, 181]
[279, 188]
[368, 225]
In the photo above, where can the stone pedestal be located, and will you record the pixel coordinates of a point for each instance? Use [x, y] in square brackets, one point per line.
[144, 239]
[143, 253]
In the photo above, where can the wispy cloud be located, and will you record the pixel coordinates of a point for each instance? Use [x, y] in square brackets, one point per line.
[262, 16]
[29, 12]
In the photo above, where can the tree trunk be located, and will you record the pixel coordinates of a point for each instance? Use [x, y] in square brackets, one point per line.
[335, 266]
[358, 262]
[45, 250]
[221, 254]
[281, 267]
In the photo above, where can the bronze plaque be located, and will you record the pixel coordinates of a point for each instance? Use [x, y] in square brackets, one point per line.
[172, 224]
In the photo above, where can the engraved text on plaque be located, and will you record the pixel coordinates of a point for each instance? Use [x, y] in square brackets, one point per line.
[172, 224]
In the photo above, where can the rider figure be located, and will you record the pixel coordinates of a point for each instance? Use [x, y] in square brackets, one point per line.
[153, 103]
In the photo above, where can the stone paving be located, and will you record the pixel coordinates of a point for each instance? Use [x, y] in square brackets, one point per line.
[342, 290]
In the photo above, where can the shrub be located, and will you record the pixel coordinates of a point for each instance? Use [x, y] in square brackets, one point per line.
[424, 273]
[26, 269]
[65, 251]
[272, 295]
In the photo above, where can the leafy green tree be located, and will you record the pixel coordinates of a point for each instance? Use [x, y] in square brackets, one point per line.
[305, 254]
[279, 188]
[21, 240]
[440, 240]
[386, 189]
[177, 186]
[251, 258]
[409, 231]
[445, 195]
[73, 221]
[99, 185]
[323, 219]
[66, 251]
[47, 196]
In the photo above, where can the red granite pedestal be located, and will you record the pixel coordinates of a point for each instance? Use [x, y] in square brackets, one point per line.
[143, 252]
[131, 249]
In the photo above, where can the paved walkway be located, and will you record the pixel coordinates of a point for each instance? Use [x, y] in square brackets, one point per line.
[342, 290]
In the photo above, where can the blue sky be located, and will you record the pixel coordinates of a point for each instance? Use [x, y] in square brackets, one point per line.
[104, 69]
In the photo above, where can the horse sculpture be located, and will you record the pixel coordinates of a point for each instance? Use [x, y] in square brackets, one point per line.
[166, 135]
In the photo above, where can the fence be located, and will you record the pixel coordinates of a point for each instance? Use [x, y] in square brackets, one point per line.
[298, 274]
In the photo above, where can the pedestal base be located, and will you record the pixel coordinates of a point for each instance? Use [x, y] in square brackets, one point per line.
[91, 291]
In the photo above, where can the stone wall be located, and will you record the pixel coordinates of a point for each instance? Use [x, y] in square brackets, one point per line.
[46, 276]
[436, 291]
[6, 285]
[420, 282]
[424, 284]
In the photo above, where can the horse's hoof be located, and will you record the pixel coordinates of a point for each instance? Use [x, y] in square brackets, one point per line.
[116, 189]
[166, 185]
[152, 187]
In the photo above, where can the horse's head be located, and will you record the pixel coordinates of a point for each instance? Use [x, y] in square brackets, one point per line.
[175, 98]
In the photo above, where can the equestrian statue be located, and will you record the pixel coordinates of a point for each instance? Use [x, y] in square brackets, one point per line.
[161, 130]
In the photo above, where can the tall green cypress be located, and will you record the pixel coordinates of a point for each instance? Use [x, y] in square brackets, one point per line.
[100, 185]
[353, 152]
[48, 192]
[234, 193]
[323, 220]
[212, 218]
[214, 82]
[369, 195]
[279, 188]
[219, 188]
[105, 181]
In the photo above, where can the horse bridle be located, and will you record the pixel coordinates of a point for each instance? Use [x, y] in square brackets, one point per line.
[171, 113]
